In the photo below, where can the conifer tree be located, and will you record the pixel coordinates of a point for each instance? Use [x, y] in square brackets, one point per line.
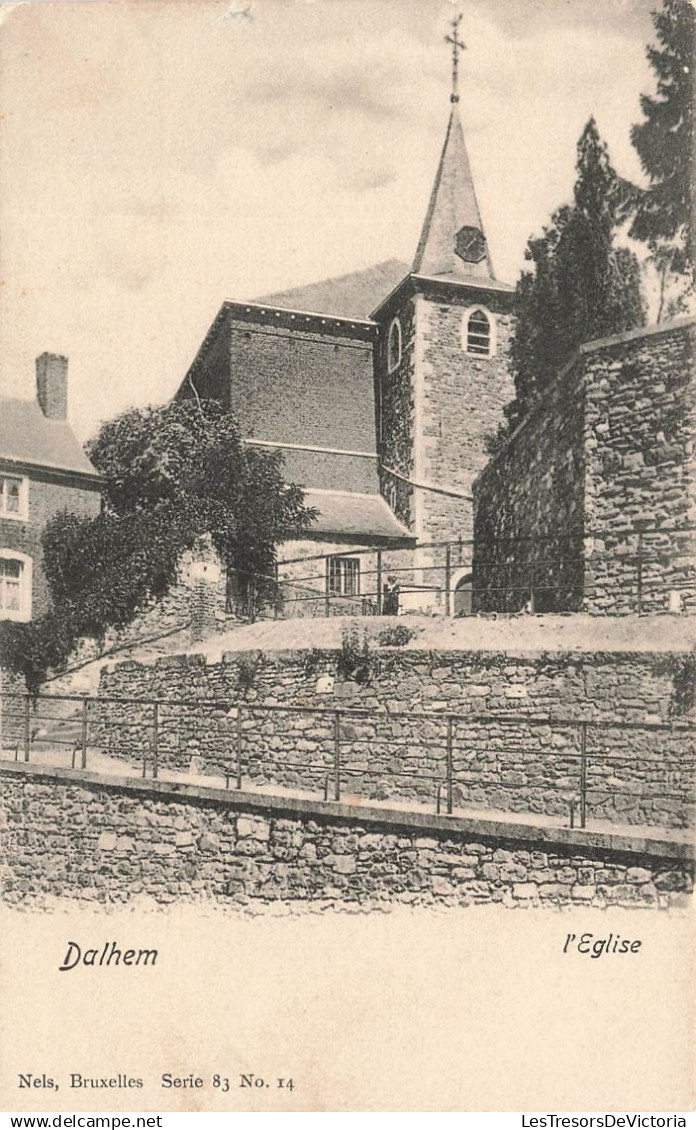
[665, 140]
[581, 286]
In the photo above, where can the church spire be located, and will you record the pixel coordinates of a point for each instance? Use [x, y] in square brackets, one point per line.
[452, 241]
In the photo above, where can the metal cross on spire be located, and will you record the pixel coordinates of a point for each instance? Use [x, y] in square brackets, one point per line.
[457, 46]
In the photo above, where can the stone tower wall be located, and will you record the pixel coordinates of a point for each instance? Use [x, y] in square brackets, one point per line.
[396, 411]
[461, 403]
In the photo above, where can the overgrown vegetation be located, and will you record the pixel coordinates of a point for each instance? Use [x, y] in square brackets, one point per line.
[171, 475]
[396, 635]
[313, 659]
[664, 141]
[248, 666]
[354, 659]
[682, 669]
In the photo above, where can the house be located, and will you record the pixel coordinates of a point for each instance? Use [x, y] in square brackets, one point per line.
[43, 470]
[379, 388]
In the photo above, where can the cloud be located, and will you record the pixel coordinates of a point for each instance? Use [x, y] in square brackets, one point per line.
[525, 19]
[356, 88]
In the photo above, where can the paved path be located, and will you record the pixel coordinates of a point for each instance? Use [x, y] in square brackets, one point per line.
[101, 763]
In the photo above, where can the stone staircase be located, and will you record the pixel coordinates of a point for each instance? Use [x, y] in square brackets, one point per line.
[57, 716]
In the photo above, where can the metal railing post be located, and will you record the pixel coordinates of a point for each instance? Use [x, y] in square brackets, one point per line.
[83, 733]
[639, 575]
[379, 582]
[583, 773]
[450, 764]
[448, 578]
[155, 738]
[238, 742]
[27, 727]
[337, 755]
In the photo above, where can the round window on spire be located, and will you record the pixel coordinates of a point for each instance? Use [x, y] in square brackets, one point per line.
[394, 345]
[470, 245]
[478, 332]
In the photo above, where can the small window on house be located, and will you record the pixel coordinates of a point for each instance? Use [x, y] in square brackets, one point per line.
[12, 496]
[394, 345]
[15, 587]
[343, 576]
[478, 333]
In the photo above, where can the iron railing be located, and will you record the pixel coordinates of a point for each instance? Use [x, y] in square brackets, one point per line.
[565, 769]
[636, 571]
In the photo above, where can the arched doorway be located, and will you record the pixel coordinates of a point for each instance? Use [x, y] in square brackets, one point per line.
[460, 593]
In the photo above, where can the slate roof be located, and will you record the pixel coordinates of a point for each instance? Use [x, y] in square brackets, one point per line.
[354, 515]
[27, 436]
[347, 296]
[452, 206]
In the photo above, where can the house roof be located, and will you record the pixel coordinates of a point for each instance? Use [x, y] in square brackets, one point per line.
[452, 206]
[358, 516]
[348, 296]
[27, 436]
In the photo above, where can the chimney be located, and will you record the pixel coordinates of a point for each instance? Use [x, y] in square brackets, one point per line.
[52, 385]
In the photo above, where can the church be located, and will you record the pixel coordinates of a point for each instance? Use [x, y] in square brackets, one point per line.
[379, 388]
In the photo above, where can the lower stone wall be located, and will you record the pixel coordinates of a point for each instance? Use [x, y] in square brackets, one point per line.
[514, 723]
[11, 722]
[66, 835]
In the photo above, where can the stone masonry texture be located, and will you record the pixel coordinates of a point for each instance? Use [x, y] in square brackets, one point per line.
[395, 412]
[463, 400]
[100, 842]
[294, 380]
[438, 406]
[598, 477]
[11, 708]
[515, 726]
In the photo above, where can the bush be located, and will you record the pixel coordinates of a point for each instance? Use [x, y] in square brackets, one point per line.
[396, 636]
[354, 660]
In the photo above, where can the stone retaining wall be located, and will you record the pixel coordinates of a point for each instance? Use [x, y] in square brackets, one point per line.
[71, 836]
[514, 723]
[590, 505]
[11, 722]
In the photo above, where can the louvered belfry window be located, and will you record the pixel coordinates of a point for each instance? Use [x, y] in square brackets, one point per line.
[478, 334]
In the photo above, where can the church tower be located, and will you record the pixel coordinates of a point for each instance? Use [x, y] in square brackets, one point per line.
[442, 373]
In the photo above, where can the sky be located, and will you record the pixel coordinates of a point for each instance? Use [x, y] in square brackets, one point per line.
[157, 158]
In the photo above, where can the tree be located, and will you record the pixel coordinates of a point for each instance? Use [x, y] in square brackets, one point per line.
[171, 474]
[186, 462]
[581, 286]
[665, 142]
